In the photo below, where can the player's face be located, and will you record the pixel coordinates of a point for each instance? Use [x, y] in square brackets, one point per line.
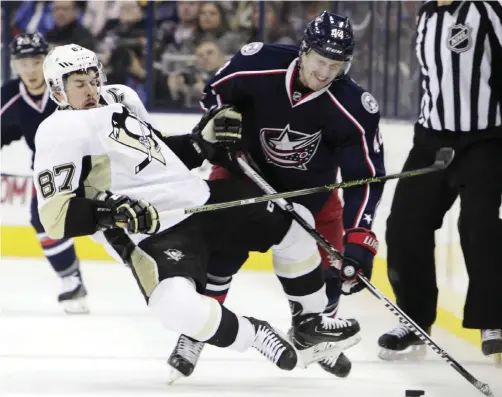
[31, 71]
[317, 71]
[82, 90]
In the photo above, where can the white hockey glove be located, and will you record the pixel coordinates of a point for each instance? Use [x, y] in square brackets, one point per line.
[137, 216]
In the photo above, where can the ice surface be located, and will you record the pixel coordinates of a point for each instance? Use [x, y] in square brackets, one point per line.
[120, 349]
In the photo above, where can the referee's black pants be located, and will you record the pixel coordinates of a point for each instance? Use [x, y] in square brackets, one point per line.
[417, 211]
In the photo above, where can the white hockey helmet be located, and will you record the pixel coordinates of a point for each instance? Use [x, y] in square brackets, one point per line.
[65, 59]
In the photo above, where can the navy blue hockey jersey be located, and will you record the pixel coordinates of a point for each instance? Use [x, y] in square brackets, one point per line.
[22, 113]
[300, 141]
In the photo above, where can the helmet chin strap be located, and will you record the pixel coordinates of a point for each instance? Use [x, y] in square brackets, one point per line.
[64, 103]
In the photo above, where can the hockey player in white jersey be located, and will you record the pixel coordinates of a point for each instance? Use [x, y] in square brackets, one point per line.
[102, 169]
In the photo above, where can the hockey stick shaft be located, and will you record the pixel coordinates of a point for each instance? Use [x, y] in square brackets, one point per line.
[443, 159]
[403, 317]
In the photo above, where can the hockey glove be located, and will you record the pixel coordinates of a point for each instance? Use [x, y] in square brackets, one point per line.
[137, 216]
[217, 137]
[361, 246]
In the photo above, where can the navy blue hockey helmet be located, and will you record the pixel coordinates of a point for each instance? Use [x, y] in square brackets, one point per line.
[331, 36]
[28, 45]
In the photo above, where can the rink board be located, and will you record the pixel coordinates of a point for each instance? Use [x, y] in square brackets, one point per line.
[18, 239]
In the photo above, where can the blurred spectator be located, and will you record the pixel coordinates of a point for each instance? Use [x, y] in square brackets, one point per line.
[304, 11]
[164, 10]
[178, 45]
[209, 59]
[186, 87]
[98, 13]
[213, 25]
[123, 31]
[178, 37]
[33, 16]
[67, 28]
[127, 67]
[124, 44]
[277, 28]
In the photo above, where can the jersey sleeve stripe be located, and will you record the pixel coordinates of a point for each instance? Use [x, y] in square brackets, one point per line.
[9, 103]
[360, 129]
[248, 73]
[365, 151]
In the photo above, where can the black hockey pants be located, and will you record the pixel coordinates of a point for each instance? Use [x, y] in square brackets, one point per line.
[418, 208]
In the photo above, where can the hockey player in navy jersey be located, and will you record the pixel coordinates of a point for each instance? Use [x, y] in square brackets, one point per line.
[303, 119]
[25, 104]
[102, 169]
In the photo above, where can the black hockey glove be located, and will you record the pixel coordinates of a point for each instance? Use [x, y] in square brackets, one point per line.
[217, 136]
[361, 246]
[137, 216]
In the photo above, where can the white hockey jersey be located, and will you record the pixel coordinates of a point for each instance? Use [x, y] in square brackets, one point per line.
[112, 147]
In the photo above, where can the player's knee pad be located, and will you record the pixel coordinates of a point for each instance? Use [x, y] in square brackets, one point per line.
[297, 254]
[182, 309]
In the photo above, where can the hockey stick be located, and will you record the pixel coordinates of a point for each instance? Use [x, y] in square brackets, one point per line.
[403, 317]
[444, 157]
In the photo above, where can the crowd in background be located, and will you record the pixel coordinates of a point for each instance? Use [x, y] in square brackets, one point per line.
[192, 40]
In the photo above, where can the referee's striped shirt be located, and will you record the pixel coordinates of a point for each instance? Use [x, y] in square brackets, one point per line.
[459, 48]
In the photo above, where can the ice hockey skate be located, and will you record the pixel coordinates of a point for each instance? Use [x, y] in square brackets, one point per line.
[269, 342]
[184, 358]
[491, 344]
[402, 344]
[318, 337]
[73, 294]
[339, 366]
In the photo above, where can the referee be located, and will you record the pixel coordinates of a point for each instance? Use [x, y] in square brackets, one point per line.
[459, 48]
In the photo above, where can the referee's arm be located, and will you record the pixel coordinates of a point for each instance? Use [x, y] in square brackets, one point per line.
[494, 10]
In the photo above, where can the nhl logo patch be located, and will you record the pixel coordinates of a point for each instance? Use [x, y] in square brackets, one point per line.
[369, 103]
[251, 48]
[459, 38]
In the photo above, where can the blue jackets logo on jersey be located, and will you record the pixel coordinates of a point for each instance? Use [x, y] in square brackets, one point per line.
[459, 38]
[287, 148]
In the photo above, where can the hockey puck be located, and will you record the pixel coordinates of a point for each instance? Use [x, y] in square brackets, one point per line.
[414, 393]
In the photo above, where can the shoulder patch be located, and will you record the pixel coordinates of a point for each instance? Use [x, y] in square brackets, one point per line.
[118, 96]
[369, 103]
[251, 48]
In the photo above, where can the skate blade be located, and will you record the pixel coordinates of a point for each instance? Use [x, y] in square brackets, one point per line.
[325, 350]
[413, 353]
[174, 375]
[75, 306]
[497, 360]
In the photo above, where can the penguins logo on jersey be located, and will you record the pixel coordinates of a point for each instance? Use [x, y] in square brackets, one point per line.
[287, 148]
[130, 131]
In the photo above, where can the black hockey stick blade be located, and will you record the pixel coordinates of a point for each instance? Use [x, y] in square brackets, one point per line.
[444, 157]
